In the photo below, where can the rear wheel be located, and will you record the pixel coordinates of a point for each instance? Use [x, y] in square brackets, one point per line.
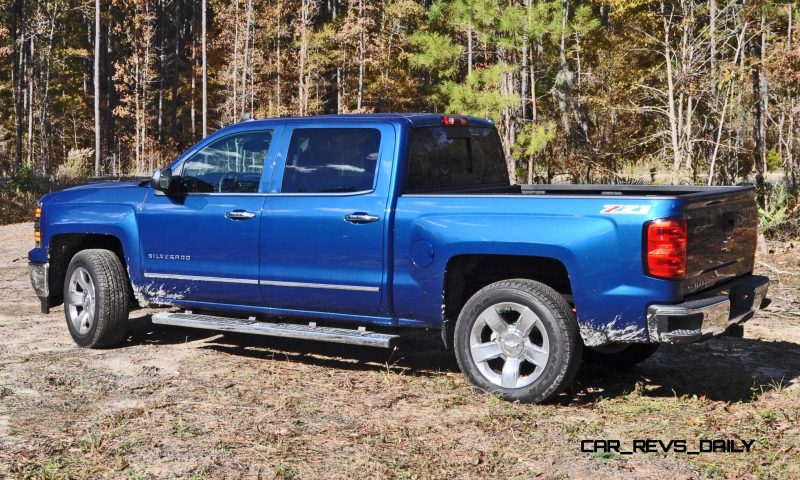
[518, 338]
[96, 298]
[620, 354]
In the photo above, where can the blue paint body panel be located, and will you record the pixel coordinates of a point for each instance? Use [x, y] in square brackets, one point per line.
[602, 253]
[297, 254]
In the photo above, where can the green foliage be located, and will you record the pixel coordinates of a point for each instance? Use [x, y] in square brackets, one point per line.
[480, 95]
[779, 215]
[24, 180]
[596, 68]
[534, 138]
[476, 16]
[774, 160]
[436, 54]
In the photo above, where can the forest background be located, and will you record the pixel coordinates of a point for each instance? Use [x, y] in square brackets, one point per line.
[599, 91]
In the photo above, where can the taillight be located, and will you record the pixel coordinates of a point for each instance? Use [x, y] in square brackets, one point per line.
[451, 121]
[665, 244]
[37, 234]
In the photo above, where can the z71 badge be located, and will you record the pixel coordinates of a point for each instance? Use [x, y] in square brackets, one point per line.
[625, 209]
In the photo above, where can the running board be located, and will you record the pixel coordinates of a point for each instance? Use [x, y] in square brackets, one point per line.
[285, 330]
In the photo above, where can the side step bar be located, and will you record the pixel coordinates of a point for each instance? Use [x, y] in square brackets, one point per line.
[286, 330]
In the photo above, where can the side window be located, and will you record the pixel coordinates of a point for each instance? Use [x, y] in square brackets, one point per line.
[232, 164]
[327, 160]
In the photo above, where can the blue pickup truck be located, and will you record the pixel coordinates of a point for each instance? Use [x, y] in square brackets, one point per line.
[352, 228]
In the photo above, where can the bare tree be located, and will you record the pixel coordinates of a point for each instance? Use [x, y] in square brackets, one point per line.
[245, 63]
[361, 54]
[205, 70]
[97, 87]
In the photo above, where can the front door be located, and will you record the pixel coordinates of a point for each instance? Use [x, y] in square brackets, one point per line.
[202, 243]
[323, 228]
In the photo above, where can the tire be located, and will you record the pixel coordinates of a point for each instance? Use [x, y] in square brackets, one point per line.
[96, 299]
[540, 363]
[619, 355]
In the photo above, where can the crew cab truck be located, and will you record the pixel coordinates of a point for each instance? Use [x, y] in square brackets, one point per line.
[319, 227]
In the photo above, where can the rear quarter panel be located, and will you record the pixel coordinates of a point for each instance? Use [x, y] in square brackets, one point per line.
[601, 250]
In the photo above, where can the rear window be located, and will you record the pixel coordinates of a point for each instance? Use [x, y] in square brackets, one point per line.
[443, 157]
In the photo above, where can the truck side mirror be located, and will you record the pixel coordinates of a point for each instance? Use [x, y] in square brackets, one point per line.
[162, 179]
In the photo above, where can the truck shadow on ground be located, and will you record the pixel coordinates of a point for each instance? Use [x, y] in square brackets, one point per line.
[721, 369]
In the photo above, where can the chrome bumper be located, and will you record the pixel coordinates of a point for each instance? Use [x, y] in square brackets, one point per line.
[39, 279]
[710, 313]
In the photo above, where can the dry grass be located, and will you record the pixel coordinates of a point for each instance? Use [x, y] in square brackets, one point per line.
[181, 403]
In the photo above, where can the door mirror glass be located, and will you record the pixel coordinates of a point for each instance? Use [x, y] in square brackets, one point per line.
[162, 179]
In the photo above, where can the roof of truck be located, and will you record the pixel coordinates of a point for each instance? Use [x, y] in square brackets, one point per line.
[415, 119]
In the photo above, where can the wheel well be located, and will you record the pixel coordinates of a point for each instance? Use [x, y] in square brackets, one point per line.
[63, 247]
[466, 274]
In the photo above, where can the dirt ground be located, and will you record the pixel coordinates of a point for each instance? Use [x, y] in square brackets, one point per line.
[181, 403]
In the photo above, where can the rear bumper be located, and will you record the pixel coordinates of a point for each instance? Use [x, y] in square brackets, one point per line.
[710, 313]
[40, 282]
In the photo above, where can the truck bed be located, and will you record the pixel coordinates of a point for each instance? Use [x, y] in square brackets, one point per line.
[721, 222]
[688, 192]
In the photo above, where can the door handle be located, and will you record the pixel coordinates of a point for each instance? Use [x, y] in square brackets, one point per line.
[240, 215]
[361, 217]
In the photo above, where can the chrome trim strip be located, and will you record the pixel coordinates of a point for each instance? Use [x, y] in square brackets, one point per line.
[274, 283]
[329, 286]
[198, 278]
[271, 194]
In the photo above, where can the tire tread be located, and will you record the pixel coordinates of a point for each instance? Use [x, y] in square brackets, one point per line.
[112, 296]
[558, 307]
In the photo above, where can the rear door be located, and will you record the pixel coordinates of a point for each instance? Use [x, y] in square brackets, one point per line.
[324, 222]
[722, 234]
[202, 244]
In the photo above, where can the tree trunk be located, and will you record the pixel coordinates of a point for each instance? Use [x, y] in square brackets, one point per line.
[111, 98]
[205, 71]
[31, 64]
[759, 117]
[248, 26]
[161, 67]
[43, 138]
[469, 46]
[712, 32]
[361, 54]
[177, 66]
[301, 84]
[193, 86]
[278, 59]
[17, 77]
[97, 87]
[673, 115]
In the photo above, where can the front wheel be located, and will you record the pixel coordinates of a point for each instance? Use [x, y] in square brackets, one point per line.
[96, 298]
[518, 338]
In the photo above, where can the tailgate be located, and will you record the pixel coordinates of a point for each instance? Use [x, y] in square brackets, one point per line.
[722, 235]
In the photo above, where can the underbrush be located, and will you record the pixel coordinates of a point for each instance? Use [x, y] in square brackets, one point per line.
[19, 194]
[16, 207]
[780, 217]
